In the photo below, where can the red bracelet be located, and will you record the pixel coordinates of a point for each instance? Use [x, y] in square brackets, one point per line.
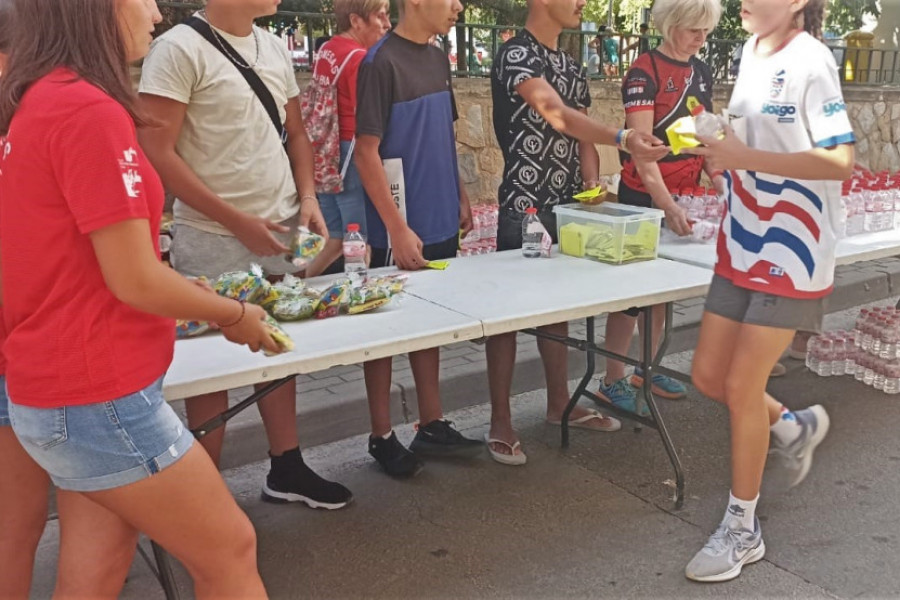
[240, 318]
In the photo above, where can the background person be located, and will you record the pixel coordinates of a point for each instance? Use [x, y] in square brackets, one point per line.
[360, 24]
[239, 193]
[658, 89]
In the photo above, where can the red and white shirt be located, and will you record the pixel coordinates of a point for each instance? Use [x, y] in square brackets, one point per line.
[70, 166]
[329, 59]
[778, 235]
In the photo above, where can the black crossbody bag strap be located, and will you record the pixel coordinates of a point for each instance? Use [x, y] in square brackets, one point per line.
[256, 84]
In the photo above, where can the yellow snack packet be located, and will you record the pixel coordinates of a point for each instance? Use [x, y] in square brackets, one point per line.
[438, 265]
[591, 195]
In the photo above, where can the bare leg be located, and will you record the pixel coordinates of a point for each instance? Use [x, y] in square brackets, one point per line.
[24, 487]
[712, 360]
[757, 350]
[501, 362]
[619, 331]
[279, 416]
[378, 389]
[189, 511]
[426, 368]
[555, 357]
[89, 531]
[200, 409]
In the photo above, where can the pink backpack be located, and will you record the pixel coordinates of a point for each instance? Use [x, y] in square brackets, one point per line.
[318, 105]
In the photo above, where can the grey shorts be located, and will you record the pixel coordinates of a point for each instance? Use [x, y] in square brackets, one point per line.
[198, 253]
[757, 308]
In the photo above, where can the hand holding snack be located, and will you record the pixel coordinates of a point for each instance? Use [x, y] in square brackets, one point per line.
[250, 328]
[305, 246]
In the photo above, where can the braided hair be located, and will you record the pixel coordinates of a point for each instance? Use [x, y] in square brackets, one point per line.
[814, 18]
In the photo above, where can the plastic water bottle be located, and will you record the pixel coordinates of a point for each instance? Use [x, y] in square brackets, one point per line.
[707, 124]
[355, 255]
[878, 380]
[839, 356]
[532, 234]
[812, 353]
[826, 352]
[850, 358]
[892, 377]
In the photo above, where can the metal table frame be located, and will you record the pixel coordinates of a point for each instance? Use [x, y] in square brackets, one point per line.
[649, 364]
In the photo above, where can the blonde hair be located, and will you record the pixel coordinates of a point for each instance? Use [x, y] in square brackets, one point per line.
[362, 8]
[687, 14]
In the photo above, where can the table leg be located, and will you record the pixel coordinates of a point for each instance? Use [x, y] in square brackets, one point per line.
[649, 363]
[582, 386]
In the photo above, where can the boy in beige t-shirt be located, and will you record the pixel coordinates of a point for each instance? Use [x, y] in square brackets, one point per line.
[238, 190]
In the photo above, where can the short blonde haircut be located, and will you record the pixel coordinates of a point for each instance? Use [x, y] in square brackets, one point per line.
[686, 14]
[363, 8]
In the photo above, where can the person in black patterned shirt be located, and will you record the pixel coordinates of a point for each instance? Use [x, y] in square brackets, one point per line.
[540, 97]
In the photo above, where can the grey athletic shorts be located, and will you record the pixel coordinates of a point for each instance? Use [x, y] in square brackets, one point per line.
[757, 308]
[198, 253]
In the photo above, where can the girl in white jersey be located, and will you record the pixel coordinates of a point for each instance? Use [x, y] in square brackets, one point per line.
[775, 255]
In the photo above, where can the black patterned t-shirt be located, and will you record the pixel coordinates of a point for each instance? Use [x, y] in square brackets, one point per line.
[542, 167]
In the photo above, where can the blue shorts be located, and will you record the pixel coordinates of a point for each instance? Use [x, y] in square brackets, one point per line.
[4, 403]
[347, 207]
[104, 445]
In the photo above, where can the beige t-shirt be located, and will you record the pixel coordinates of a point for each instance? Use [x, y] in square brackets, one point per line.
[227, 137]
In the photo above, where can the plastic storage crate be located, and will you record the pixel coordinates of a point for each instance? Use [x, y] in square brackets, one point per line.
[610, 233]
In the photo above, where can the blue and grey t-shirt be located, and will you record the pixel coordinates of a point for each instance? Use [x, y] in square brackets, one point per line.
[404, 98]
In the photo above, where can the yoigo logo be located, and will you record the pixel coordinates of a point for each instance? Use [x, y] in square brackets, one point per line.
[833, 108]
[784, 112]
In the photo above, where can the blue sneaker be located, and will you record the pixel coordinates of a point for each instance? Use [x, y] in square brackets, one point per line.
[622, 395]
[663, 386]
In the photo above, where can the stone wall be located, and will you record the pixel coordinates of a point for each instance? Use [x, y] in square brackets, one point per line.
[875, 114]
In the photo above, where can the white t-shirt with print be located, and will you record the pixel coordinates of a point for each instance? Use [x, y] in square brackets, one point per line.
[778, 235]
[227, 137]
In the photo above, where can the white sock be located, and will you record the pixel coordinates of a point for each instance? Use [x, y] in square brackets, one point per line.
[742, 510]
[388, 435]
[786, 429]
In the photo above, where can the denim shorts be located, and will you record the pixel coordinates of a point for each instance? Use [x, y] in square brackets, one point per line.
[347, 207]
[106, 445]
[4, 403]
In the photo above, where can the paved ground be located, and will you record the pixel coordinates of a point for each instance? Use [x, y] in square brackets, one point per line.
[593, 521]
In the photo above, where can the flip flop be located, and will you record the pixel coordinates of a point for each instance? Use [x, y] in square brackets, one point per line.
[581, 423]
[512, 459]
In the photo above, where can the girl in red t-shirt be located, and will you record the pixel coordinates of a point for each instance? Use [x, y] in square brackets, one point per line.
[89, 308]
[361, 23]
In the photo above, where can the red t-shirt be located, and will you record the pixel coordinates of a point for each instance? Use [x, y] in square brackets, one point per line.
[663, 85]
[2, 339]
[71, 165]
[329, 60]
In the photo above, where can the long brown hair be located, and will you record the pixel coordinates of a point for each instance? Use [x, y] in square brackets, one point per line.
[81, 35]
[814, 18]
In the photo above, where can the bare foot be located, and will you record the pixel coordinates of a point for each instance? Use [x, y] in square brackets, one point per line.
[579, 412]
[508, 435]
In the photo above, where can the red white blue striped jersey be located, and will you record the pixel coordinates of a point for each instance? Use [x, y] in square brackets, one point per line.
[778, 234]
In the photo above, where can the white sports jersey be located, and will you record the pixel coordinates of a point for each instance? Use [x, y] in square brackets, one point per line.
[778, 235]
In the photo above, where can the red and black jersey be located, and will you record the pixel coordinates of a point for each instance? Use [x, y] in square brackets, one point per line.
[661, 84]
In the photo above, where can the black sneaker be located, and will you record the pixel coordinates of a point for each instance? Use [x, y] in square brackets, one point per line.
[439, 438]
[393, 456]
[291, 480]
